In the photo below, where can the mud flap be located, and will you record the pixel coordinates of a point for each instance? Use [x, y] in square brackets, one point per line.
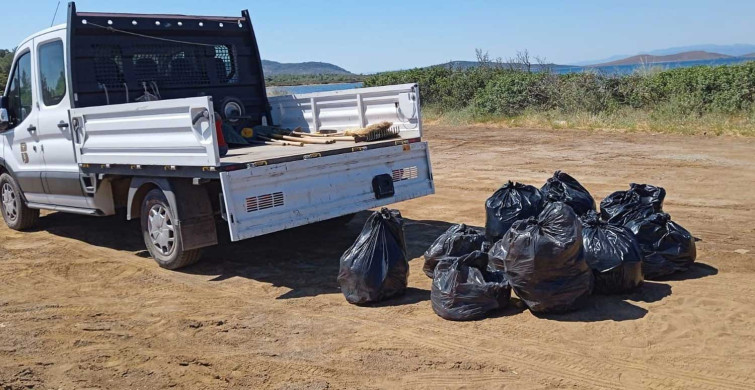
[196, 218]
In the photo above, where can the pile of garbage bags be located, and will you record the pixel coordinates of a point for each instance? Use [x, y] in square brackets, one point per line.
[554, 248]
[550, 246]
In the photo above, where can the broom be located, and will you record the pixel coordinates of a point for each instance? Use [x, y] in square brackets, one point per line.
[374, 132]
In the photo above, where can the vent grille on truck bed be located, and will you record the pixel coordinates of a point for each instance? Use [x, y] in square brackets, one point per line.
[262, 202]
[405, 174]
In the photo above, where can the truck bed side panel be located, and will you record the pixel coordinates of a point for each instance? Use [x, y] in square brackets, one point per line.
[353, 108]
[150, 133]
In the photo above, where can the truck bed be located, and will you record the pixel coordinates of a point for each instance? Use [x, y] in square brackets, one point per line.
[181, 132]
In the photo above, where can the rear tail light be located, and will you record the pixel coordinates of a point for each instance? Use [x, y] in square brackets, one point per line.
[222, 145]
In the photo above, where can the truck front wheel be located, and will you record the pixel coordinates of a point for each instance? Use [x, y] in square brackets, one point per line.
[161, 234]
[15, 213]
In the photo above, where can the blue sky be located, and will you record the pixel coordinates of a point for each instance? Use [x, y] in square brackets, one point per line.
[368, 36]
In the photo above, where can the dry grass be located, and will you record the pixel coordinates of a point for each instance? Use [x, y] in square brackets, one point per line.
[625, 120]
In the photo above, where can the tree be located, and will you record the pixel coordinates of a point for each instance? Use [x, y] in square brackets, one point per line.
[521, 61]
[483, 58]
[6, 61]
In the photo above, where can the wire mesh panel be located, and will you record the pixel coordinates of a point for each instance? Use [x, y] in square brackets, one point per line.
[172, 65]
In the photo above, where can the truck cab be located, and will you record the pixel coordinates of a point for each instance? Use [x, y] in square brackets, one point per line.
[34, 118]
[123, 111]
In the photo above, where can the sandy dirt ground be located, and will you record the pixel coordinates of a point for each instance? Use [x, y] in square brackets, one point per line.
[82, 306]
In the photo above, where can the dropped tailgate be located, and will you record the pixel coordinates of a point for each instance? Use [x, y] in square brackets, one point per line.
[266, 199]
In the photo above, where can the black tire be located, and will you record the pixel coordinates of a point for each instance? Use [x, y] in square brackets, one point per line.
[163, 240]
[15, 213]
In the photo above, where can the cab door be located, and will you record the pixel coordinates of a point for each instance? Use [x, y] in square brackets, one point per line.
[61, 179]
[25, 158]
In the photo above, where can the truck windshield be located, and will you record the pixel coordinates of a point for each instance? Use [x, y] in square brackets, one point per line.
[20, 92]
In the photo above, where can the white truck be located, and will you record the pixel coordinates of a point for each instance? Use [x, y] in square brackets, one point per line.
[118, 112]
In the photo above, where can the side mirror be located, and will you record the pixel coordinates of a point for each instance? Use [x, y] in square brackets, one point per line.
[4, 119]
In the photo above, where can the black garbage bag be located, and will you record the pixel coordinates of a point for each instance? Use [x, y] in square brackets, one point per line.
[376, 267]
[564, 188]
[639, 202]
[668, 248]
[464, 289]
[458, 240]
[613, 253]
[512, 202]
[543, 260]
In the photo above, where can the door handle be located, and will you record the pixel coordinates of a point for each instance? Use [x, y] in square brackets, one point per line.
[31, 128]
[62, 125]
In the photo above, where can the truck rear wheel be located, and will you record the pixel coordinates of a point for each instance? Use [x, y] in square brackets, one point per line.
[15, 213]
[161, 234]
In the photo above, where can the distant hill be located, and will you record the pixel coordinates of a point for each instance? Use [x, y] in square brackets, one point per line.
[736, 50]
[751, 55]
[680, 57]
[474, 64]
[273, 68]
[459, 64]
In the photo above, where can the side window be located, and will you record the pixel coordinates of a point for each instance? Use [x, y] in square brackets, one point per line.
[19, 96]
[52, 72]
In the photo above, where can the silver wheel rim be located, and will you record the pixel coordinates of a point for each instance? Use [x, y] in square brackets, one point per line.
[161, 230]
[10, 206]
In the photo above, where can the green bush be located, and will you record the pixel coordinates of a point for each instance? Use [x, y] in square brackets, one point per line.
[496, 91]
[508, 94]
